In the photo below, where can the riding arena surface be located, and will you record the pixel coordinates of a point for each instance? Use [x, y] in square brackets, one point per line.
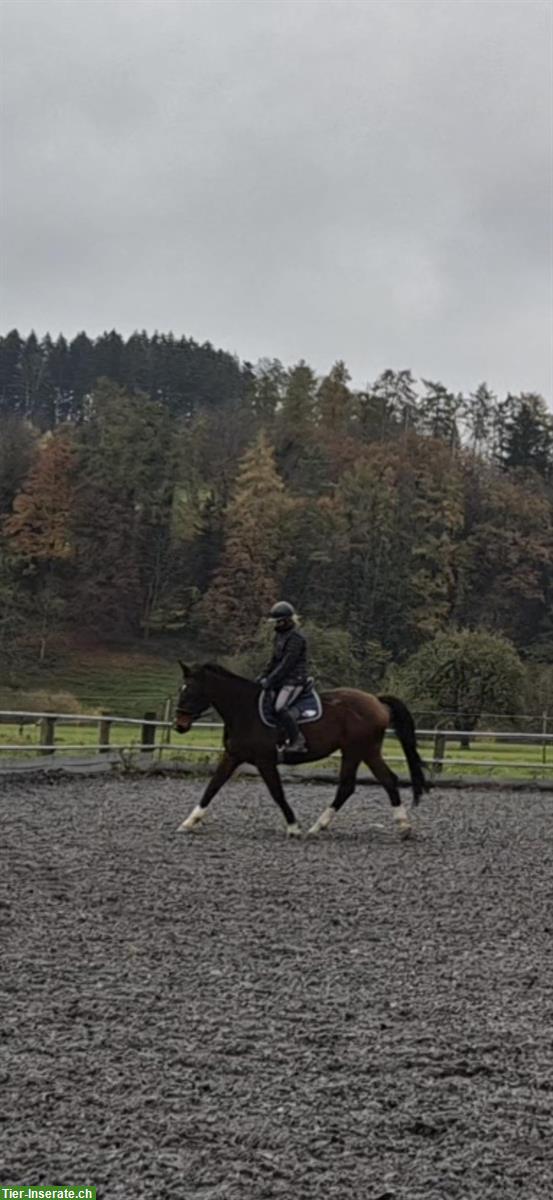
[234, 1015]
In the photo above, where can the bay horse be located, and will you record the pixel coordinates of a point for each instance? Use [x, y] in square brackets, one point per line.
[352, 721]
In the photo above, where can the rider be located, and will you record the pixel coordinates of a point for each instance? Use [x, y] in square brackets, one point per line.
[286, 673]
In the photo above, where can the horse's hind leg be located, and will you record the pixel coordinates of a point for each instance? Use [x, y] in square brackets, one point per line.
[227, 764]
[271, 778]
[346, 786]
[389, 781]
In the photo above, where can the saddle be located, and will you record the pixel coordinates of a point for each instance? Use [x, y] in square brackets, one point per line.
[307, 707]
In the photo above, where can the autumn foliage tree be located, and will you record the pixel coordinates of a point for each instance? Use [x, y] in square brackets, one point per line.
[256, 551]
[38, 532]
[39, 526]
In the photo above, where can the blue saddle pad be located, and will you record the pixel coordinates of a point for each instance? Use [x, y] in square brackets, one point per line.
[308, 707]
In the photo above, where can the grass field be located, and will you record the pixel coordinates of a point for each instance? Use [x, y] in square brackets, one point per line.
[123, 682]
[202, 745]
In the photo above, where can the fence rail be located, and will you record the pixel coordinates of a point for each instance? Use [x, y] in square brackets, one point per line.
[150, 737]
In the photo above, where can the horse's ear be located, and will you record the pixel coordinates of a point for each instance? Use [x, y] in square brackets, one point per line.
[185, 670]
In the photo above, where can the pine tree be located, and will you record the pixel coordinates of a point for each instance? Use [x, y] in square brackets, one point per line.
[268, 387]
[439, 413]
[334, 402]
[527, 442]
[479, 418]
[11, 348]
[388, 407]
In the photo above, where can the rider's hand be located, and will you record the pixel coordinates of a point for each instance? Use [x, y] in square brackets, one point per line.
[264, 682]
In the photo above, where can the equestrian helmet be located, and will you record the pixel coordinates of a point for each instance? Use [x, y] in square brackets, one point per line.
[283, 611]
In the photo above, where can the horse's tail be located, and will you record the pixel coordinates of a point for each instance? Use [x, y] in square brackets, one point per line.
[404, 726]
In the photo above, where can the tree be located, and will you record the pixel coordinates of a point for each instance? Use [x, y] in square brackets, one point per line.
[16, 613]
[255, 552]
[316, 574]
[478, 417]
[268, 389]
[388, 407]
[503, 558]
[82, 372]
[11, 348]
[123, 508]
[463, 675]
[374, 566]
[34, 385]
[210, 447]
[301, 458]
[38, 531]
[439, 412]
[17, 440]
[435, 504]
[526, 440]
[334, 402]
[39, 526]
[402, 505]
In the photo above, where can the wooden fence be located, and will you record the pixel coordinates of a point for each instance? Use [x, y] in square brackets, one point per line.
[152, 740]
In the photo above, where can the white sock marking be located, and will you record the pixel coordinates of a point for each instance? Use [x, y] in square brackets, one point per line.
[196, 816]
[324, 820]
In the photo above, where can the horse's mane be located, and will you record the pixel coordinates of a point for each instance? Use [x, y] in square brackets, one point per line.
[217, 669]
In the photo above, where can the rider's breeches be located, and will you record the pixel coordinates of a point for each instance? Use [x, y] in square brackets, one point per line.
[287, 695]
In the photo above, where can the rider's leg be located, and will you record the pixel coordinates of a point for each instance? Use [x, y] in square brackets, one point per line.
[285, 718]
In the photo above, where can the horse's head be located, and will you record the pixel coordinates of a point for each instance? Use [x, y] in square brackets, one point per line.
[192, 701]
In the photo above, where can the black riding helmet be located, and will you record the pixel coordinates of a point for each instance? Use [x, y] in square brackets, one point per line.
[282, 614]
[282, 611]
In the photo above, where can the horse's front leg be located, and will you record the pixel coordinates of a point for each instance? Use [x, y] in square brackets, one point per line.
[227, 764]
[346, 786]
[271, 778]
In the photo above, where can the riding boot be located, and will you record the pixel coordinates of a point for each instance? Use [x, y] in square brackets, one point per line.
[295, 740]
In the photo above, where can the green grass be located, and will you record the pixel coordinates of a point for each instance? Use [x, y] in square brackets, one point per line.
[207, 744]
[126, 683]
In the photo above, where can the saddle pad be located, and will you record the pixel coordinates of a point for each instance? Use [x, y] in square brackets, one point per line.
[308, 707]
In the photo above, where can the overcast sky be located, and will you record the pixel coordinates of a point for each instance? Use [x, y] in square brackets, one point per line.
[321, 179]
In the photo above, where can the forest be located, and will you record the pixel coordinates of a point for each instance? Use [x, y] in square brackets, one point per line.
[155, 488]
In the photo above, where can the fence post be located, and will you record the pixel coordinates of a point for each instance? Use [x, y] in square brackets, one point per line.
[167, 716]
[439, 753]
[47, 729]
[148, 734]
[104, 736]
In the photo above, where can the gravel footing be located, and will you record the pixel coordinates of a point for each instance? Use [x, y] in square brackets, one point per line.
[238, 1016]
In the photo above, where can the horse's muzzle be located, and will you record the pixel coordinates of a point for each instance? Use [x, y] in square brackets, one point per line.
[183, 722]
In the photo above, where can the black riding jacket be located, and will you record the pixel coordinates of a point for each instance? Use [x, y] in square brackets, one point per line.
[289, 661]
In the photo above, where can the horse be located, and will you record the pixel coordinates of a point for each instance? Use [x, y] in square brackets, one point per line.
[352, 721]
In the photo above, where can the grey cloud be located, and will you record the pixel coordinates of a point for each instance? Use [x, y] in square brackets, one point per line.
[360, 180]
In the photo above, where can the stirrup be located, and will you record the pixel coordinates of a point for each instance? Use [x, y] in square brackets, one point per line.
[299, 744]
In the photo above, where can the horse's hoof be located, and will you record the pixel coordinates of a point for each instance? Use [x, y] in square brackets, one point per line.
[322, 823]
[193, 822]
[405, 830]
[294, 830]
[316, 829]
